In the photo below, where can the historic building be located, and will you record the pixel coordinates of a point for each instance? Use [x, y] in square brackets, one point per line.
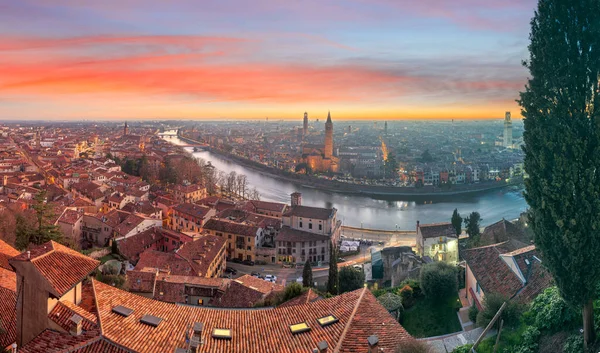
[321, 158]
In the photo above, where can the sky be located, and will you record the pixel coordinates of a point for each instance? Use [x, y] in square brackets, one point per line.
[240, 59]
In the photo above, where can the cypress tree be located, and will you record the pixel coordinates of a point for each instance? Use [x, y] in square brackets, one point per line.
[307, 276]
[561, 105]
[457, 222]
[332, 279]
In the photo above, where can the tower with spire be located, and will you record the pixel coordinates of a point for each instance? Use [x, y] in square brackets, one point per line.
[507, 140]
[126, 129]
[305, 126]
[328, 151]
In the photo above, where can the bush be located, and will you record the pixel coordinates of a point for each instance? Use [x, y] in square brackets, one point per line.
[529, 343]
[406, 293]
[492, 303]
[351, 279]
[292, 291]
[439, 280]
[473, 311]
[574, 344]
[415, 285]
[463, 349]
[413, 346]
[549, 311]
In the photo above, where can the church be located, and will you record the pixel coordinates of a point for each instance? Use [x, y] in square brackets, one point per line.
[320, 158]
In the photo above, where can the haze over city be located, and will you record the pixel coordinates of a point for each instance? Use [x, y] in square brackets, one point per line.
[232, 59]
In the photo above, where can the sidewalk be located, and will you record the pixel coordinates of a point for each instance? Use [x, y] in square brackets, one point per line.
[446, 344]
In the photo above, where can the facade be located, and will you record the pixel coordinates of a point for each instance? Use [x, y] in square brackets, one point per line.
[507, 137]
[71, 225]
[437, 241]
[242, 239]
[189, 217]
[315, 220]
[188, 193]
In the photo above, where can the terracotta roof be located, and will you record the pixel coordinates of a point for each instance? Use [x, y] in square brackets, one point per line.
[8, 305]
[311, 212]
[62, 267]
[266, 330]
[500, 268]
[201, 253]
[53, 342]
[222, 225]
[437, 230]
[131, 247]
[288, 234]
[62, 312]
[308, 296]
[168, 262]
[70, 217]
[141, 281]
[500, 231]
[267, 206]
[6, 252]
[258, 284]
[129, 224]
[191, 209]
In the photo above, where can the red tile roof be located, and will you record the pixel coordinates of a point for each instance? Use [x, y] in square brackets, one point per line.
[8, 310]
[491, 266]
[307, 297]
[437, 230]
[62, 267]
[62, 312]
[6, 252]
[311, 212]
[225, 226]
[131, 247]
[266, 330]
[53, 342]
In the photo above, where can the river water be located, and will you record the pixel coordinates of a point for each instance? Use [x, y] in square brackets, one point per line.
[367, 212]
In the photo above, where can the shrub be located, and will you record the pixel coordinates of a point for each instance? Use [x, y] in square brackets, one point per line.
[492, 303]
[574, 344]
[292, 291]
[413, 346]
[549, 311]
[529, 343]
[473, 311]
[415, 285]
[350, 279]
[439, 280]
[463, 349]
[406, 293]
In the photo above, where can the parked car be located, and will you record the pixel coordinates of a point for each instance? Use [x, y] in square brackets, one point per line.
[233, 271]
[341, 259]
[255, 274]
[248, 262]
[271, 278]
[236, 260]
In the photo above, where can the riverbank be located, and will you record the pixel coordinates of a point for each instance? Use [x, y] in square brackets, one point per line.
[373, 191]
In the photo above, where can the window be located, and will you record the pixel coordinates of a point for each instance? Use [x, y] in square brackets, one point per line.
[300, 225]
[229, 236]
[478, 289]
[200, 302]
[310, 226]
[249, 248]
[320, 227]
[299, 328]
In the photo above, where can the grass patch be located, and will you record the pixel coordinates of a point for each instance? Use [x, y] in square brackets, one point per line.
[108, 257]
[427, 318]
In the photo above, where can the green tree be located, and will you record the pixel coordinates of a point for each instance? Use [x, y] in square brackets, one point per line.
[332, 279]
[426, 156]
[391, 167]
[307, 275]
[351, 279]
[472, 227]
[457, 221]
[43, 230]
[439, 280]
[561, 105]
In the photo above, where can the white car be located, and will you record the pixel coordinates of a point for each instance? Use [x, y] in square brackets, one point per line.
[271, 278]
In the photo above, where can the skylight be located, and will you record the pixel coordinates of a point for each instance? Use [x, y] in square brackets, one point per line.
[327, 320]
[123, 311]
[150, 320]
[222, 333]
[299, 328]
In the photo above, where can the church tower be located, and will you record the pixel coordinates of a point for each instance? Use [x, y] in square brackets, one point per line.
[126, 129]
[305, 126]
[508, 136]
[328, 137]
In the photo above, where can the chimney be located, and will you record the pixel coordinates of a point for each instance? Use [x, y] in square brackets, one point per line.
[296, 199]
[5, 180]
[76, 321]
[28, 255]
[417, 225]
[196, 340]
[13, 348]
[322, 347]
[373, 342]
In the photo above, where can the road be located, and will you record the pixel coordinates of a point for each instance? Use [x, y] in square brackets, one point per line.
[388, 237]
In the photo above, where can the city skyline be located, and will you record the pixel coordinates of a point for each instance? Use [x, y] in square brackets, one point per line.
[361, 60]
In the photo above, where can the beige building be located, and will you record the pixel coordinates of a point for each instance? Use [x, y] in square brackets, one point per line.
[242, 239]
[438, 241]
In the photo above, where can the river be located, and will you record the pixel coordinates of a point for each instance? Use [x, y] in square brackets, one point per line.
[371, 213]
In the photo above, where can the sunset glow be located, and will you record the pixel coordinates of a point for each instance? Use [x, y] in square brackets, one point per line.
[360, 59]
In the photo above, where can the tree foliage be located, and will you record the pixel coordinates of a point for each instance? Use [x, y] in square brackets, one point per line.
[439, 280]
[472, 225]
[307, 275]
[561, 105]
[41, 230]
[351, 279]
[492, 303]
[457, 221]
[332, 279]
[550, 311]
